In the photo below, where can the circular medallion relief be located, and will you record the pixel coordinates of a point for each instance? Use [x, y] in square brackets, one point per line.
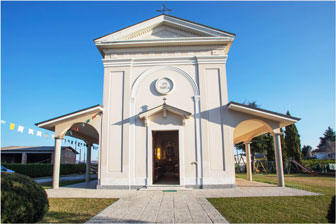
[164, 85]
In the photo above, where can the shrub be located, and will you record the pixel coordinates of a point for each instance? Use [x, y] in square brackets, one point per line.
[331, 211]
[317, 164]
[43, 170]
[22, 199]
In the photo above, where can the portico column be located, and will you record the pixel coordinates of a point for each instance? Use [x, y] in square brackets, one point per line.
[88, 162]
[278, 159]
[24, 158]
[248, 160]
[57, 162]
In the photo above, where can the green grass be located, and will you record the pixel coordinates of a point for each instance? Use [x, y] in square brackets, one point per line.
[74, 210]
[300, 209]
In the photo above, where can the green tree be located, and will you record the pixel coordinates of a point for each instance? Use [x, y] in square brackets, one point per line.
[306, 151]
[292, 141]
[269, 147]
[328, 136]
[283, 146]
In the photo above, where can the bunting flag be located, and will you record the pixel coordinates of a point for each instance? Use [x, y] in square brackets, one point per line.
[20, 129]
[94, 116]
[88, 120]
[11, 126]
[39, 133]
[83, 125]
[75, 128]
[52, 136]
[30, 131]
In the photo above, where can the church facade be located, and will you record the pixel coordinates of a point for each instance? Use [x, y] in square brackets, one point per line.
[166, 118]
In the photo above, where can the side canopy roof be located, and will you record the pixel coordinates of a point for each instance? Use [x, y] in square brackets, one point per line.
[165, 29]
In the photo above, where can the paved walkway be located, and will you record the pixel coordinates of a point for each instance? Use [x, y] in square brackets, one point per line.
[64, 177]
[160, 207]
[183, 206]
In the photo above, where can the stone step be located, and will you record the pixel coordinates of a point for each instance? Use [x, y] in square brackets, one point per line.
[161, 187]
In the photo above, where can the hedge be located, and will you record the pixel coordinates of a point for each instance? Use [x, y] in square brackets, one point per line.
[22, 199]
[43, 170]
[319, 165]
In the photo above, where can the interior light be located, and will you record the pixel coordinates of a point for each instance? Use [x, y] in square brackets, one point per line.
[158, 153]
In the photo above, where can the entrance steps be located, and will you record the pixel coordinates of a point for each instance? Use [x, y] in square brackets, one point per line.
[167, 188]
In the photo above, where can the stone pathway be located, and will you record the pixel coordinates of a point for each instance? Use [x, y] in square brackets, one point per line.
[156, 206]
[160, 207]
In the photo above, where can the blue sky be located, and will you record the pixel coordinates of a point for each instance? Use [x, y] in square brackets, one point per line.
[283, 57]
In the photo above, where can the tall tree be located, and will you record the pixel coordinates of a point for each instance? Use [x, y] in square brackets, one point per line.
[269, 147]
[283, 146]
[328, 136]
[293, 143]
[306, 151]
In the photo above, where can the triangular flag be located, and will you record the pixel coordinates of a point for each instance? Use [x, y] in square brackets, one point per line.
[30, 131]
[11, 126]
[52, 136]
[88, 120]
[75, 128]
[20, 129]
[39, 133]
[94, 116]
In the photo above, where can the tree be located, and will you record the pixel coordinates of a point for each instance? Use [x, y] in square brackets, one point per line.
[292, 141]
[283, 146]
[306, 151]
[269, 147]
[329, 136]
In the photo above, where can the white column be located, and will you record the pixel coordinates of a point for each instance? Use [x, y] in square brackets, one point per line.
[57, 163]
[88, 162]
[24, 158]
[278, 159]
[248, 160]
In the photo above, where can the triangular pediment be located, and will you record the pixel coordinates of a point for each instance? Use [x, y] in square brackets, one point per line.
[164, 108]
[163, 27]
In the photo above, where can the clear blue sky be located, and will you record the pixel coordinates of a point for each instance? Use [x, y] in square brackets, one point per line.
[283, 57]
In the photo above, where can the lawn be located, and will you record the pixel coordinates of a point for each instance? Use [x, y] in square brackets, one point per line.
[74, 210]
[300, 209]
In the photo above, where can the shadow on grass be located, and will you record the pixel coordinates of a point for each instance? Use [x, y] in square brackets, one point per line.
[66, 217]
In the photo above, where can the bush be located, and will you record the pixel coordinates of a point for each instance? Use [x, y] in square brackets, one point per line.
[43, 170]
[317, 164]
[22, 199]
[331, 211]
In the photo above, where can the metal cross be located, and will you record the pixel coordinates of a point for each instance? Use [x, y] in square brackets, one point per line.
[163, 10]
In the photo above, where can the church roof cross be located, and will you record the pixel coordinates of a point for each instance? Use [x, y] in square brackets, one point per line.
[163, 10]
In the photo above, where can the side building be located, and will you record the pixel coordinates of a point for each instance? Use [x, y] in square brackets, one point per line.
[36, 154]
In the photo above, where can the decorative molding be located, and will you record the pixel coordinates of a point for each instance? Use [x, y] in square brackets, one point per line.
[159, 68]
[163, 20]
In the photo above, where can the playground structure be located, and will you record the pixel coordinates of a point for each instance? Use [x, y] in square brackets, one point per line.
[266, 167]
[299, 167]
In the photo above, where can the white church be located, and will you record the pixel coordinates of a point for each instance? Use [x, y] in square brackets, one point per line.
[166, 118]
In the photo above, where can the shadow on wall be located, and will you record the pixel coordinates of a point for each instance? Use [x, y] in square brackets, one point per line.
[218, 115]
